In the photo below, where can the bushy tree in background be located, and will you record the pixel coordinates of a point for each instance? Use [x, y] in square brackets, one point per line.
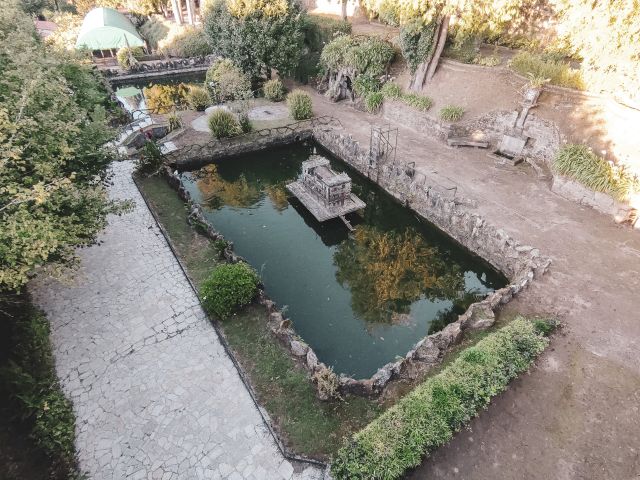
[53, 123]
[257, 35]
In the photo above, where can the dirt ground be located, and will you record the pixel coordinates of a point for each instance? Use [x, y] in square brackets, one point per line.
[576, 415]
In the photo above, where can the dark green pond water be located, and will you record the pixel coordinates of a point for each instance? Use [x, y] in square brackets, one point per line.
[359, 299]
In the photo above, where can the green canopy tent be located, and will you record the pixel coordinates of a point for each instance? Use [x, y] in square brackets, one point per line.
[106, 29]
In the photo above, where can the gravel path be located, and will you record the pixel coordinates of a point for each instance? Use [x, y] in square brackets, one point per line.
[154, 392]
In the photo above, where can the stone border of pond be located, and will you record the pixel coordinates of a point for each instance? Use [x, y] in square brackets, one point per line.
[453, 214]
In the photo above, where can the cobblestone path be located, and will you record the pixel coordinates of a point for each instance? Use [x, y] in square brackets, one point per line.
[154, 392]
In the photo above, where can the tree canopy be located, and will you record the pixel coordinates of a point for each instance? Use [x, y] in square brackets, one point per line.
[257, 35]
[53, 123]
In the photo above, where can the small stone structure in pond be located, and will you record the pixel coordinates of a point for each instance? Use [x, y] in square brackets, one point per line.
[325, 193]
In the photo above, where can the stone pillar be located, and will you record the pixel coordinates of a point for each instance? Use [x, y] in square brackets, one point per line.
[191, 12]
[176, 6]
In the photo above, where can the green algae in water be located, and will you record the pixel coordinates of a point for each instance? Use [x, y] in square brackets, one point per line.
[359, 299]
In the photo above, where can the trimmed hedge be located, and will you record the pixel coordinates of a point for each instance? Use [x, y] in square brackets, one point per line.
[429, 416]
[228, 288]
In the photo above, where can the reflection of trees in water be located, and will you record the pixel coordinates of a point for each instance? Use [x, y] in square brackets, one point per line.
[218, 192]
[388, 271]
[460, 305]
[162, 98]
[277, 193]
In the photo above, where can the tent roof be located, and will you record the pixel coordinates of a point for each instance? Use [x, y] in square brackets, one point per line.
[105, 28]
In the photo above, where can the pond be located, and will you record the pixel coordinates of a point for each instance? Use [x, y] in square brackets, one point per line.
[358, 299]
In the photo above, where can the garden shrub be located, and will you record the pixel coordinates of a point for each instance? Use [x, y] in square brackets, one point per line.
[31, 381]
[224, 124]
[174, 121]
[451, 113]
[228, 288]
[392, 90]
[164, 98]
[327, 383]
[557, 71]
[128, 56]
[300, 105]
[419, 102]
[150, 159]
[373, 101]
[363, 85]
[320, 30]
[226, 82]
[154, 30]
[365, 55]
[581, 164]
[429, 416]
[257, 36]
[192, 42]
[198, 98]
[274, 90]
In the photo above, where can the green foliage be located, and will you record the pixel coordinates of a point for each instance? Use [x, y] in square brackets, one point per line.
[544, 66]
[244, 122]
[419, 102]
[429, 416]
[392, 90]
[451, 113]
[365, 55]
[230, 287]
[463, 48]
[164, 98]
[153, 31]
[198, 98]
[224, 124]
[300, 105]
[128, 56]
[220, 245]
[192, 42]
[53, 125]
[31, 382]
[226, 82]
[581, 164]
[545, 326]
[150, 159]
[174, 121]
[274, 90]
[257, 36]
[373, 101]
[417, 42]
[363, 85]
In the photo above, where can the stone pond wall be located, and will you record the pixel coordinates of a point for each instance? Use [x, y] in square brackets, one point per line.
[451, 213]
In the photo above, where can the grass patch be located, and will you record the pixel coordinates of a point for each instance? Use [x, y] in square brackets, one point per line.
[581, 164]
[451, 113]
[308, 426]
[557, 71]
[31, 391]
[429, 416]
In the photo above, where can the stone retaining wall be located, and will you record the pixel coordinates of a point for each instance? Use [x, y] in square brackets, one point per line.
[454, 215]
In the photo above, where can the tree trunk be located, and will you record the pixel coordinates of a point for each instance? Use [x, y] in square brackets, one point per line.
[344, 10]
[442, 39]
[191, 12]
[176, 6]
[426, 70]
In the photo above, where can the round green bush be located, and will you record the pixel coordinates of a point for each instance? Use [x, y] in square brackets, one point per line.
[300, 105]
[273, 90]
[225, 82]
[198, 98]
[224, 124]
[228, 288]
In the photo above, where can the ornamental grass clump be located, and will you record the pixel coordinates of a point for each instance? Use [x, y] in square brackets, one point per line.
[557, 71]
[300, 105]
[128, 57]
[229, 288]
[451, 113]
[419, 102]
[198, 98]
[274, 90]
[429, 416]
[392, 90]
[581, 164]
[224, 124]
[373, 101]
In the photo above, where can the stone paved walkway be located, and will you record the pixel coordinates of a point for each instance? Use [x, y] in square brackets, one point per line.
[154, 392]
